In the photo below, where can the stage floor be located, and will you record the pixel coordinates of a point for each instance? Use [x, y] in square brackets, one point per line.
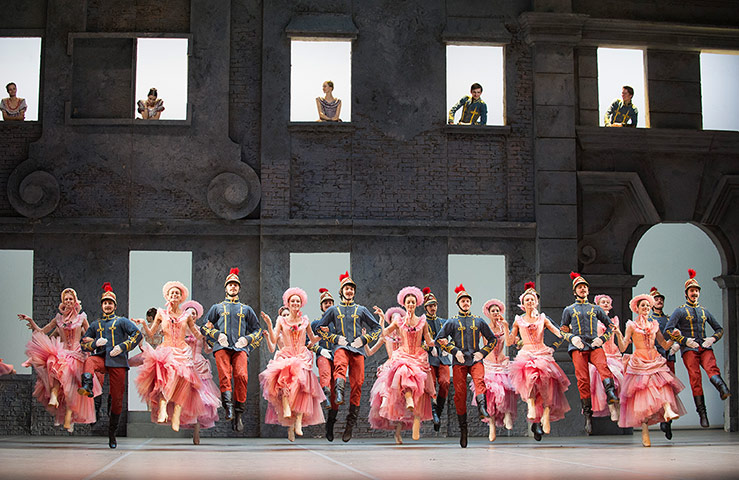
[692, 454]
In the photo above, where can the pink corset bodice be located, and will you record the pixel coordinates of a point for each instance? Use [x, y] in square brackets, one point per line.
[497, 355]
[174, 329]
[293, 335]
[532, 333]
[411, 337]
[644, 333]
[70, 332]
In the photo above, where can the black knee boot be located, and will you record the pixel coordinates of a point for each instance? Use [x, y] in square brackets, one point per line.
[351, 420]
[238, 424]
[610, 387]
[700, 407]
[440, 401]
[462, 430]
[330, 421]
[327, 394]
[112, 429]
[228, 404]
[666, 427]
[86, 387]
[720, 385]
[481, 406]
[339, 388]
[537, 430]
[98, 406]
[587, 411]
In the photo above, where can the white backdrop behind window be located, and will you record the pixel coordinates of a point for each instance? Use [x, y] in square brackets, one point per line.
[618, 67]
[16, 296]
[311, 271]
[468, 64]
[311, 64]
[720, 98]
[20, 58]
[483, 276]
[161, 63]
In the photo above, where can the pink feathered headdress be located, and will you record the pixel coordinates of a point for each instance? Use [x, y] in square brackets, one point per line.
[490, 303]
[415, 291]
[634, 303]
[295, 291]
[392, 311]
[598, 298]
[178, 285]
[195, 306]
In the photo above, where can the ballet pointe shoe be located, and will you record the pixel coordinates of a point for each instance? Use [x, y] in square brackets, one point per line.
[645, 435]
[545, 425]
[613, 408]
[398, 437]
[54, 397]
[531, 414]
[162, 418]
[508, 421]
[416, 432]
[68, 421]
[176, 418]
[669, 412]
[491, 432]
[409, 405]
[299, 425]
[196, 435]
[286, 411]
[291, 433]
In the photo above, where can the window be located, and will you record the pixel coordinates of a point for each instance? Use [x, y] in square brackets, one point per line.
[161, 63]
[618, 67]
[16, 296]
[483, 276]
[469, 64]
[21, 61]
[720, 99]
[311, 271]
[312, 64]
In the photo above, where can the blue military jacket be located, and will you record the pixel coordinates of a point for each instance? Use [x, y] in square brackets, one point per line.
[118, 331]
[236, 320]
[435, 324]
[582, 319]
[662, 319]
[322, 344]
[466, 330]
[690, 319]
[347, 319]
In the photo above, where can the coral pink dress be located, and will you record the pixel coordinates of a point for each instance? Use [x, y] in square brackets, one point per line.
[614, 359]
[648, 382]
[535, 374]
[290, 373]
[5, 368]
[499, 392]
[407, 369]
[169, 372]
[61, 361]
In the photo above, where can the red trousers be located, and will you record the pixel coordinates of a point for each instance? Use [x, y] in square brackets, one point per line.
[116, 378]
[581, 358]
[693, 361]
[441, 379]
[354, 362]
[233, 364]
[477, 372]
[325, 373]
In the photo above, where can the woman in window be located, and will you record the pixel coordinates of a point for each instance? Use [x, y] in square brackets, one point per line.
[329, 108]
[14, 108]
[152, 107]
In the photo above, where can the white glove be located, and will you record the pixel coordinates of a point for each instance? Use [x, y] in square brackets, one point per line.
[674, 348]
[597, 342]
[358, 343]
[434, 353]
[116, 351]
[342, 341]
[100, 342]
[690, 342]
[477, 356]
[241, 342]
[223, 340]
[577, 342]
[708, 342]
[459, 356]
[325, 353]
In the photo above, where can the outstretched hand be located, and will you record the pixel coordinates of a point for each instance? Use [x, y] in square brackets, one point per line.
[708, 342]
[241, 342]
[674, 348]
[577, 342]
[223, 340]
[342, 341]
[266, 318]
[459, 356]
[100, 342]
[597, 342]
[357, 343]
[326, 353]
[690, 342]
[477, 356]
[117, 350]
[378, 311]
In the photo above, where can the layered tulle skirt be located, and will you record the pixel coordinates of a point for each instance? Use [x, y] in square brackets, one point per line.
[402, 372]
[597, 390]
[290, 373]
[169, 373]
[647, 385]
[500, 395]
[535, 374]
[56, 366]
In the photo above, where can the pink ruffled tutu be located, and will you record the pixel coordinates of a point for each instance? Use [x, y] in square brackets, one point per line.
[400, 373]
[290, 373]
[499, 392]
[209, 393]
[597, 391]
[647, 385]
[55, 365]
[535, 374]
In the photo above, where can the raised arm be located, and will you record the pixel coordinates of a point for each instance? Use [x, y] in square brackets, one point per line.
[624, 340]
[35, 328]
[272, 336]
[664, 343]
[550, 326]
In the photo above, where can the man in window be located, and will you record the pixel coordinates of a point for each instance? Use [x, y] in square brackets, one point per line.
[622, 113]
[474, 110]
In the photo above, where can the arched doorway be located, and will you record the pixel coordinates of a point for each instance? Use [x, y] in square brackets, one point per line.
[663, 255]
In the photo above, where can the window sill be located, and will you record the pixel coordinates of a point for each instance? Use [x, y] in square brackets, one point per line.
[320, 127]
[496, 130]
[69, 120]
[17, 124]
[656, 139]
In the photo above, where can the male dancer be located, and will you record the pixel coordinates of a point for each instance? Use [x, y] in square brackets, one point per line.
[109, 339]
[325, 362]
[347, 319]
[580, 327]
[438, 359]
[235, 333]
[662, 319]
[687, 326]
[465, 330]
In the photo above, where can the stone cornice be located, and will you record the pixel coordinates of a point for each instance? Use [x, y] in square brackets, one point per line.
[657, 140]
[725, 196]
[552, 28]
[626, 184]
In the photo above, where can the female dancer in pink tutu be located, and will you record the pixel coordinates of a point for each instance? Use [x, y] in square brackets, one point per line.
[535, 375]
[601, 407]
[403, 393]
[59, 363]
[288, 383]
[168, 380]
[500, 394]
[649, 389]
